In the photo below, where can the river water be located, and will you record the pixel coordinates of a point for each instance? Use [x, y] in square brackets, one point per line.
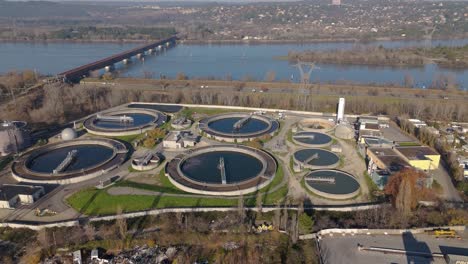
[238, 61]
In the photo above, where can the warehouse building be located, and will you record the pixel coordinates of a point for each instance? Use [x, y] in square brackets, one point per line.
[12, 195]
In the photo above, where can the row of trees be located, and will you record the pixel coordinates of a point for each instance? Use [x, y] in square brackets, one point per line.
[13, 83]
[58, 102]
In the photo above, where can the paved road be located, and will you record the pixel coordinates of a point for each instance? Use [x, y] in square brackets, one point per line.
[443, 178]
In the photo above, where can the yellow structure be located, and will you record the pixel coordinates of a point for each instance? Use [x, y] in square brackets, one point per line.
[420, 157]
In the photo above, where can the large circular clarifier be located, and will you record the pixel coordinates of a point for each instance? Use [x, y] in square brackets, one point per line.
[238, 126]
[314, 158]
[69, 161]
[138, 119]
[226, 125]
[86, 156]
[332, 184]
[206, 167]
[312, 139]
[124, 122]
[222, 170]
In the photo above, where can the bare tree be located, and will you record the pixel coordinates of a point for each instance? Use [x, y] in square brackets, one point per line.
[240, 209]
[121, 223]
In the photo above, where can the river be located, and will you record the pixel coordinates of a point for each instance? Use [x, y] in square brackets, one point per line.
[236, 61]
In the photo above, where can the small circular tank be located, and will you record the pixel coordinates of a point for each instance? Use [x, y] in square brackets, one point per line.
[344, 132]
[68, 134]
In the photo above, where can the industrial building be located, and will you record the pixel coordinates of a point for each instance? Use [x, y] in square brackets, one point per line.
[12, 195]
[382, 163]
[420, 157]
[179, 139]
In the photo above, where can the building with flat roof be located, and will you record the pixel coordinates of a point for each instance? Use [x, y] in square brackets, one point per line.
[364, 133]
[417, 123]
[420, 157]
[179, 139]
[383, 162]
[12, 194]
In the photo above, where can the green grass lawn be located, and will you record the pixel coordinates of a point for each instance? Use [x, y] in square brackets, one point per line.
[99, 202]
[165, 185]
[409, 144]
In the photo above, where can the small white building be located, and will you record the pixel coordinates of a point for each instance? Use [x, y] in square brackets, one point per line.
[77, 257]
[13, 194]
[179, 139]
[417, 123]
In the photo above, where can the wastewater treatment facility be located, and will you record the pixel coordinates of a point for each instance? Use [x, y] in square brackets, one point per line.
[197, 157]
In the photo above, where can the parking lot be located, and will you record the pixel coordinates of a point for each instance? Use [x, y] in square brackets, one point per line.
[344, 249]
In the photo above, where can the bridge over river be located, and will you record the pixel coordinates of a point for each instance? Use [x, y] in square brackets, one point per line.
[76, 74]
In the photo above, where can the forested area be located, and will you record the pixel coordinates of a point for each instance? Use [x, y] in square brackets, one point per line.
[456, 57]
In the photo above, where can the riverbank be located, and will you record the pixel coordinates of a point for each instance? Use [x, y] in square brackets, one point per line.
[228, 41]
[311, 41]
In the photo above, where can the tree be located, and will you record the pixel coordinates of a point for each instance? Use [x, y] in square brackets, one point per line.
[121, 224]
[181, 76]
[156, 133]
[240, 209]
[306, 223]
[406, 188]
[259, 202]
[409, 81]
[270, 76]
[149, 142]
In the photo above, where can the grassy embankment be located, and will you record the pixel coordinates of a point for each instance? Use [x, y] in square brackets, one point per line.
[99, 202]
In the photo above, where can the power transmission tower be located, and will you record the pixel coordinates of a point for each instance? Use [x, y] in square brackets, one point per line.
[305, 69]
[428, 32]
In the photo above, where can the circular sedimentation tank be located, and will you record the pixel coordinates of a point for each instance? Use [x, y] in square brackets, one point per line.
[332, 184]
[69, 161]
[238, 126]
[314, 158]
[316, 124]
[222, 170]
[344, 131]
[312, 139]
[124, 122]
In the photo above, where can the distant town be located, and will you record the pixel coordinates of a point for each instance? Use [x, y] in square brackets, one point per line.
[201, 22]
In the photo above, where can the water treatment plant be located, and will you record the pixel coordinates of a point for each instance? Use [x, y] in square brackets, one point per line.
[238, 127]
[128, 153]
[222, 170]
[124, 122]
[332, 184]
